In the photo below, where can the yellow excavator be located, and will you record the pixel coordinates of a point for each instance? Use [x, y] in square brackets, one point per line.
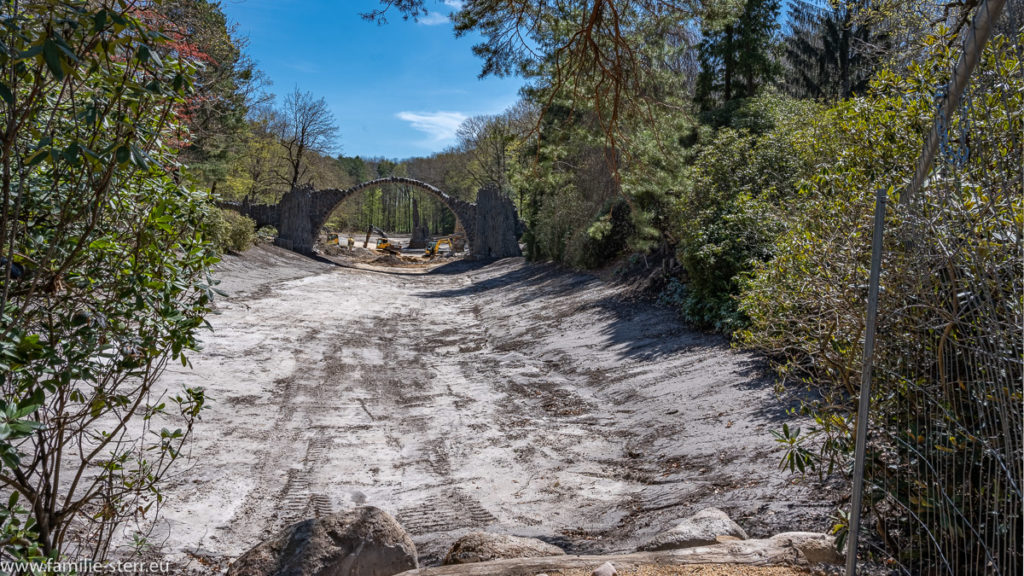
[452, 242]
[383, 243]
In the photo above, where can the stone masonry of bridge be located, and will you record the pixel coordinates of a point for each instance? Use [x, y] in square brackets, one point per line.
[492, 225]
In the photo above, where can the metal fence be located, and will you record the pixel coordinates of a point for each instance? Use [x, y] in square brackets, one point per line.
[939, 459]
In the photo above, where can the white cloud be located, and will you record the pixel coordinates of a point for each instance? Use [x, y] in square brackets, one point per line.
[441, 126]
[433, 19]
[303, 66]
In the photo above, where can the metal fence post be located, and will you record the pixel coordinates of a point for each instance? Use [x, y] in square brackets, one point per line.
[865, 383]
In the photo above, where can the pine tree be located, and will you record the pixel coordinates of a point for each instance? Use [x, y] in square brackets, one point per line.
[737, 59]
[829, 52]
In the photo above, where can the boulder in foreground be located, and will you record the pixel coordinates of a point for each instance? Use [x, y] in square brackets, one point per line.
[364, 541]
[701, 529]
[483, 547]
[798, 549]
[812, 547]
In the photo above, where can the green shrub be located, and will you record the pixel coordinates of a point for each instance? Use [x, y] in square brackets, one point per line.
[104, 277]
[734, 206]
[229, 231]
[241, 232]
[266, 234]
[718, 245]
[607, 237]
[943, 470]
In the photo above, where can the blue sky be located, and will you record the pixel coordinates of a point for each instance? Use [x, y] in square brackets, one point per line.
[397, 90]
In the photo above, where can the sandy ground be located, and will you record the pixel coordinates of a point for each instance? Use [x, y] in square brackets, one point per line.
[506, 397]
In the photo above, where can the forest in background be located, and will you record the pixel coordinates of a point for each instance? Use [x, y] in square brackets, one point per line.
[728, 152]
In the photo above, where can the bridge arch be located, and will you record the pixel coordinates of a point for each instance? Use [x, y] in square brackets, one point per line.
[491, 224]
[326, 201]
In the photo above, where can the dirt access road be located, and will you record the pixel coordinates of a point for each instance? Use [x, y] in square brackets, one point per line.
[506, 397]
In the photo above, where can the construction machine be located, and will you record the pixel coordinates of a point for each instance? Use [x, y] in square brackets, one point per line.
[383, 243]
[454, 243]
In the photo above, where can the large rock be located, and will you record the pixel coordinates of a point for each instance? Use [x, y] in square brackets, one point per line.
[790, 548]
[362, 542]
[701, 529]
[813, 547]
[483, 547]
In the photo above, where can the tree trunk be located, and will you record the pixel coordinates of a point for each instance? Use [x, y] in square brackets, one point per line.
[296, 166]
[729, 63]
[844, 55]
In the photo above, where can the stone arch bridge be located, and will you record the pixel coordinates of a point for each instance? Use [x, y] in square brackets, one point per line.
[491, 223]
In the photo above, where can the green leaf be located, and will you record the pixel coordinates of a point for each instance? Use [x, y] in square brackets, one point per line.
[10, 458]
[123, 154]
[99, 20]
[63, 46]
[71, 152]
[155, 57]
[31, 52]
[28, 346]
[96, 407]
[6, 94]
[26, 427]
[102, 244]
[139, 158]
[30, 404]
[38, 157]
[88, 153]
[51, 54]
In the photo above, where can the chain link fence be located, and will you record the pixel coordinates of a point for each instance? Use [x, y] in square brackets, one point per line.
[942, 467]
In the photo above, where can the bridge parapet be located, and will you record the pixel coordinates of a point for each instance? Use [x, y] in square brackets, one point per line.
[262, 214]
